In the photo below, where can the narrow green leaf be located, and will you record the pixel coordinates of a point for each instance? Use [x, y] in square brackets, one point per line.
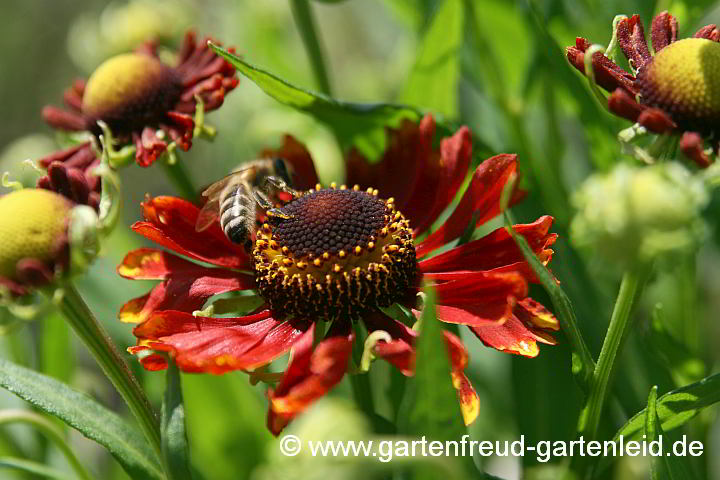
[676, 408]
[354, 124]
[666, 466]
[84, 414]
[435, 412]
[34, 468]
[172, 429]
[583, 364]
[433, 82]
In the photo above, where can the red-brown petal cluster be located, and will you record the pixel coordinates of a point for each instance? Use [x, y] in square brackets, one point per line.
[163, 101]
[637, 98]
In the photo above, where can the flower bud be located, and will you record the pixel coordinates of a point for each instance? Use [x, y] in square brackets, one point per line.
[639, 213]
[33, 237]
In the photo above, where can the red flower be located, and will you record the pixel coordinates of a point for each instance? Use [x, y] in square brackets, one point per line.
[672, 90]
[136, 95]
[303, 271]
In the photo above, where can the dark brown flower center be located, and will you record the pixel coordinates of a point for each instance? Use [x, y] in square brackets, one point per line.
[130, 91]
[341, 253]
[683, 79]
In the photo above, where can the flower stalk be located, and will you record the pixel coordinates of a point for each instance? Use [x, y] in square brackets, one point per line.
[305, 22]
[179, 177]
[631, 288]
[96, 339]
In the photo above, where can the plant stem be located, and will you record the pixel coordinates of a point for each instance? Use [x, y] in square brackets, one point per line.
[96, 339]
[630, 289]
[51, 431]
[302, 13]
[179, 177]
[361, 388]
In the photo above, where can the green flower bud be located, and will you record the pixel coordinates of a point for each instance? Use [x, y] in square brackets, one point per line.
[634, 213]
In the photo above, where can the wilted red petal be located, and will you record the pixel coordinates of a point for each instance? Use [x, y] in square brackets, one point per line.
[481, 201]
[656, 120]
[219, 345]
[631, 38]
[304, 176]
[494, 250]
[607, 73]
[187, 291]
[171, 223]
[693, 146]
[309, 375]
[709, 32]
[663, 31]
[512, 336]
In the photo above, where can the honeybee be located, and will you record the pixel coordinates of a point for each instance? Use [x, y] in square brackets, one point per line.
[233, 199]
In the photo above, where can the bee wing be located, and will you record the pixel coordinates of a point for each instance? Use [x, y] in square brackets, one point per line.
[214, 190]
[208, 214]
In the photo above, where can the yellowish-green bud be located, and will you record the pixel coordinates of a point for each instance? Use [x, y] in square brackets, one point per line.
[637, 213]
[684, 80]
[33, 225]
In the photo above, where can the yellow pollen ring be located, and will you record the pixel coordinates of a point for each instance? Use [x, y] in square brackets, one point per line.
[337, 285]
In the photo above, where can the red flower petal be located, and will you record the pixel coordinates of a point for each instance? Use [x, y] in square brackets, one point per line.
[534, 313]
[409, 150]
[187, 291]
[171, 223]
[153, 264]
[467, 397]
[474, 315]
[481, 288]
[304, 176]
[400, 352]
[219, 345]
[480, 201]
[494, 250]
[309, 375]
[512, 336]
[441, 176]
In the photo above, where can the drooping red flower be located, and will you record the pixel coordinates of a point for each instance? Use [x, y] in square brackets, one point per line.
[145, 103]
[674, 90]
[342, 256]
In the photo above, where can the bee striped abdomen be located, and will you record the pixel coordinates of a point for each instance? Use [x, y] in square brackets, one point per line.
[237, 214]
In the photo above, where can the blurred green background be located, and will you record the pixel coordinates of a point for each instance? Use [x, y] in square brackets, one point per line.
[501, 70]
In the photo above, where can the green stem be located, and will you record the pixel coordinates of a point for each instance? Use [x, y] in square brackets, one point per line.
[96, 339]
[361, 388]
[305, 22]
[179, 177]
[51, 431]
[631, 287]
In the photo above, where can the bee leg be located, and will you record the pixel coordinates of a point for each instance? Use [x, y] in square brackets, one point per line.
[264, 202]
[281, 185]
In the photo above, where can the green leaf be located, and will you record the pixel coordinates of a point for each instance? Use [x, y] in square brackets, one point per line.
[34, 468]
[172, 429]
[433, 82]
[84, 414]
[354, 124]
[666, 465]
[435, 412]
[676, 408]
